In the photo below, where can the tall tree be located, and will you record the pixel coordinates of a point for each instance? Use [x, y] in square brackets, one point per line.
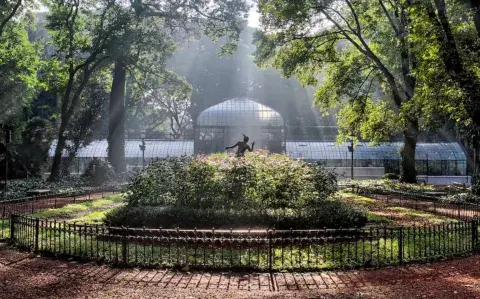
[450, 68]
[142, 48]
[361, 46]
[223, 18]
[87, 122]
[81, 32]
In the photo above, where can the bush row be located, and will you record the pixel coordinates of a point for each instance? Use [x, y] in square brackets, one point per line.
[330, 214]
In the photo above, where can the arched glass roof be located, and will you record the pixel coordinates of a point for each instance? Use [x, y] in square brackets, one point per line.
[239, 112]
[153, 149]
[363, 151]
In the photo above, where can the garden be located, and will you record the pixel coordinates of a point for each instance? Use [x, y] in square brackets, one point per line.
[264, 211]
[121, 127]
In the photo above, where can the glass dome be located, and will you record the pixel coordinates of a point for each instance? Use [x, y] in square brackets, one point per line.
[240, 112]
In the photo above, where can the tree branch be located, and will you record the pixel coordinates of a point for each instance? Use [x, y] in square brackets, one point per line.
[355, 18]
[10, 16]
[360, 88]
[365, 50]
[390, 20]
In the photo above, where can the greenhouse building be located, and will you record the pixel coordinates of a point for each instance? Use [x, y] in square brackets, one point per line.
[222, 125]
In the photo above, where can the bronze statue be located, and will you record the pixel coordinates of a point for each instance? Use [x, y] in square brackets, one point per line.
[242, 146]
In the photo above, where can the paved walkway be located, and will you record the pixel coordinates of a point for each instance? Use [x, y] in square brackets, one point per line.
[27, 276]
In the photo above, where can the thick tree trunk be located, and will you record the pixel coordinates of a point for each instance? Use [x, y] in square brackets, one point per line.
[408, 173]
[57, 158]
[116, 122]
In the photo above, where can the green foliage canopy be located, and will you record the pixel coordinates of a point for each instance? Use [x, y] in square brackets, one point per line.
[19, 65]
[355, 46]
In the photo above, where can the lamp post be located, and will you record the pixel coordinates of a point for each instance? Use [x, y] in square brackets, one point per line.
[142, 148]
[351, 150]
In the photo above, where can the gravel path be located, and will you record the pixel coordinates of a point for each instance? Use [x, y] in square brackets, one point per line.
[27, 276]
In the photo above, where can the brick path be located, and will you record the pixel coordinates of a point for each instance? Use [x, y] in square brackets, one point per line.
[26, 276]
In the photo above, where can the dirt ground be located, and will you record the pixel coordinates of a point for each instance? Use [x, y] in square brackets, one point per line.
[26, 276]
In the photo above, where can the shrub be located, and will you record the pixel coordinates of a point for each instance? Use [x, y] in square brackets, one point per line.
[261, 190]
[99, 172]
[259, 181]
[476, 189]
[19, 188]
[391, 176]
[461, 198]
[330, 214]
[161, 183]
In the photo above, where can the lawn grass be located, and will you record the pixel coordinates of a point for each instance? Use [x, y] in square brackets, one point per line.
[381, 213]
[378, 219]
[4, 229]
[95, 217]
[86, 211]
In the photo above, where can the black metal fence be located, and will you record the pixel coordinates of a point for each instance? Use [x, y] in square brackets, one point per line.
[30, 205]
[422, 202]
[245, 249]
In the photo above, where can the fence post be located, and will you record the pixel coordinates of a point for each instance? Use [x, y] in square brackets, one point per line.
[400, 245]
[474, 233]
[270, 253]
[124, 246]
[37, 228]
[12, 227]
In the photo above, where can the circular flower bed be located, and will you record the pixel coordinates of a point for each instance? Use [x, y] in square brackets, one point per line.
[260, 190]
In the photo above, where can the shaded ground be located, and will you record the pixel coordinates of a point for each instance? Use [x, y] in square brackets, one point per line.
[86, 209]
[24, 276]
[90, 212]
[381, 212]
[49, 203]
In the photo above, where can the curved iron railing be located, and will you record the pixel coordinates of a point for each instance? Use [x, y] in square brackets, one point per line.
[245, 249]
[30, 205]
